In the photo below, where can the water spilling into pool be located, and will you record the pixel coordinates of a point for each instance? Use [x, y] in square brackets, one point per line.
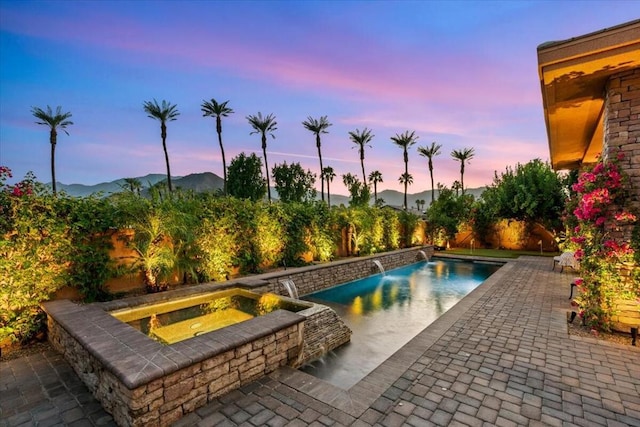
[387, 311]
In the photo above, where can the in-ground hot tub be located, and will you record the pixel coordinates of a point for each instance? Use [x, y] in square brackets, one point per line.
[176, 320]
[164, 369]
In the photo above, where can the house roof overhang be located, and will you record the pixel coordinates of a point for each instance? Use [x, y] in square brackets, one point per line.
[573, 78]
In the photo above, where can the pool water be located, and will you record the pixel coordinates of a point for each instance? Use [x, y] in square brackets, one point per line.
[386, 311]
[177, 320]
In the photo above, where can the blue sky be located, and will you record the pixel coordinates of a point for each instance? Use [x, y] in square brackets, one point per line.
[462, 74]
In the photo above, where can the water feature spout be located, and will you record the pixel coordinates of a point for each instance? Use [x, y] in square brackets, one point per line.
[423, 255]
[291, 288]
[378, 264]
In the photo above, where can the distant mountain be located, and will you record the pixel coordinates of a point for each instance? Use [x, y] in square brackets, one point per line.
[396, 198]
[207, 181]
[81, 190]
[198, 182]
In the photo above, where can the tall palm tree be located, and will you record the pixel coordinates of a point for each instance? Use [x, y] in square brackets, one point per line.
[328, 174]
[406, 179]
[213, 109]
[362, 138]
[165, 112]
[462, 156]
[263, 126]
[430, 152]
[317, 127]
[375, 177]
[405, 141]
[54, 121]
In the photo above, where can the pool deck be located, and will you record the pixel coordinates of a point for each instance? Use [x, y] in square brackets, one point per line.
[502, 356]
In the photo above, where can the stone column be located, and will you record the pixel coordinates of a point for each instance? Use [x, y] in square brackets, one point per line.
[622, 131]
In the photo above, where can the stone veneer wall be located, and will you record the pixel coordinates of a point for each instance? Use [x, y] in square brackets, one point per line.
[164, 400]
[622, 131]
[316, 278]
[323, 332]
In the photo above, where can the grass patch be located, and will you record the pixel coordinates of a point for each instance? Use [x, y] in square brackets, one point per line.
[497, 253]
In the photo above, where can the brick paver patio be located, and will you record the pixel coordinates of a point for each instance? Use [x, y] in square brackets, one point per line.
[500, 357]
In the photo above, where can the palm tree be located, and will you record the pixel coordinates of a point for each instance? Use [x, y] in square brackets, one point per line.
[375, 177]
[456, 186]
[361, 139]
[348, 180]
[430, 152]
[213, 109]
[317, 127]
[404, 141]
[166, 112]
[263, 126]
[132, 184]
[54, 121]
[464, 155]
[406, 178]
[328, 174]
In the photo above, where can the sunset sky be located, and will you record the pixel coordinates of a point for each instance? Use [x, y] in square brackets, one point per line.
[463, 74]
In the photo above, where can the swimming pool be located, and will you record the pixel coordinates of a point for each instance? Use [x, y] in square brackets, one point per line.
[387, 311]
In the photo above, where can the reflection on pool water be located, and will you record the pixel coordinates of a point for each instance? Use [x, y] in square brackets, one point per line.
[387, 311]
[176, 320]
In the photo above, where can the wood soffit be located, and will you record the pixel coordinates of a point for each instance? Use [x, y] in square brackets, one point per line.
[573, 77]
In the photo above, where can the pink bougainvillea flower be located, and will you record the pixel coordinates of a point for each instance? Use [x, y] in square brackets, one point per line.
[578, 240]
[625, 217]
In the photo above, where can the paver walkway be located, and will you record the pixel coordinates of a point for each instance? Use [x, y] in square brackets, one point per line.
[500, 357]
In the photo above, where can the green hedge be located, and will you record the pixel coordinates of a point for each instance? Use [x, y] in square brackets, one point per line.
[47, 242]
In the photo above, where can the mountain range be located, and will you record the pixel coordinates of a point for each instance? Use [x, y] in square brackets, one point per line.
[207, 181]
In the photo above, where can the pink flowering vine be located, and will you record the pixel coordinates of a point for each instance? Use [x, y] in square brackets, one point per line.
[601, 194]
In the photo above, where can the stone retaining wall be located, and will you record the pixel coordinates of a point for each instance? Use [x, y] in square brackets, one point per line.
[323, 331]
[143, 400]
[316, 278]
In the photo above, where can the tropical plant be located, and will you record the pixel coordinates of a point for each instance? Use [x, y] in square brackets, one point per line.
[405, 141]
[31, 258]
[430, 152]
[447, 213]
[362, 139]
[165, 112]
[293, 184]
[328, 174]
[462, 156]
[245, 177]
[151, 241]
[532, 193]
[317, 127]
[218, 110]
[264, 126]
[360, 194]
[375, 177]
[54, 121]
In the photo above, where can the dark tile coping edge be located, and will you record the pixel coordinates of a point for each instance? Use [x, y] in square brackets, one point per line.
[363, 394]
[135, 359]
